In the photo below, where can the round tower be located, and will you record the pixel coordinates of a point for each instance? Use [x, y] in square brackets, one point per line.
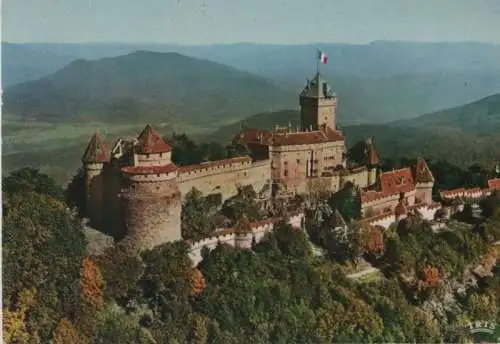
[151, 206]
[243, 233]
[94, 159]
[151, 198]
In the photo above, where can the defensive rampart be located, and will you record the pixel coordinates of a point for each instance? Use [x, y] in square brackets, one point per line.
[229, 236]
[224, 176]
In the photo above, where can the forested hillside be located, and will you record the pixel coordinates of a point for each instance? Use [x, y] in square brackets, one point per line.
[280, 293]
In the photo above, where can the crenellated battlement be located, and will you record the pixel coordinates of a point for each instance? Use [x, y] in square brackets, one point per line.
[427, 211]
[231, 237]
[209, 168]
[138, 189]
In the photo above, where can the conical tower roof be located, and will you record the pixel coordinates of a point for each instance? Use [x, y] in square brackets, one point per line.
[422, 172]
[150, 142]
[96, 151]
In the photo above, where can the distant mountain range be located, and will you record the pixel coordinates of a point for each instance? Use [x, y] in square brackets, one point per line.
[146, 86]
[462, 135]
[21, 63]
[377, 82]
[377, 59]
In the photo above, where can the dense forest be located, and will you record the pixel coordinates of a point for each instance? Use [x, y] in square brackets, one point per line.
[280, 292]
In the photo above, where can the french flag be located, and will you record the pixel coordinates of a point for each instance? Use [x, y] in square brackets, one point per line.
[322, 57]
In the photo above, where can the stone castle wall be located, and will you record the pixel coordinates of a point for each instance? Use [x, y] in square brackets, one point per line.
[294, 164]
[358, 176]
[151, 210]
[427, 211]
[224, 177]
[229, 237]
[380, 205]
[94, 184]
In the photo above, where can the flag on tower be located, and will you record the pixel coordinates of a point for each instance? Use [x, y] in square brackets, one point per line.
[322, 57]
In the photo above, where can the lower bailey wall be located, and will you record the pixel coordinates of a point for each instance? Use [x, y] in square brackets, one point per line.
[228, 236]
[226, 181]
[428, 212]
[261, 228]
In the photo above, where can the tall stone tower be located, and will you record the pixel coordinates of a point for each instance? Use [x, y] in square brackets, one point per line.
[371, 160]
[318, 105]
[94, 160]
[150, 195]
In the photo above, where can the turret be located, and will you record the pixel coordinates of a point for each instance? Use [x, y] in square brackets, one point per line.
[94, 159]
[424, 181]
[151, 196]
[243, 233]
[318, 105]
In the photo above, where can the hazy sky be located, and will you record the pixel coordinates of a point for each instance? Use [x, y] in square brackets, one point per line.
[268, 21]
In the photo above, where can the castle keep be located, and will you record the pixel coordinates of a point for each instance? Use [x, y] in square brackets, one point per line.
[136, 189]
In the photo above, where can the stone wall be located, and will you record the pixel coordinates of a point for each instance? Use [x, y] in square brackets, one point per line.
[228, 236]
[94, 184]
[428, 212]
[157, 159]
[224, 178]
[318, 111]
[152, 212]
[424, 192]
[294, 164]
[358, 176]
[385, 203]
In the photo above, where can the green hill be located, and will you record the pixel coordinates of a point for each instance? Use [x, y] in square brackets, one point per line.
[146, 86]
[480, 118]
[463, 135]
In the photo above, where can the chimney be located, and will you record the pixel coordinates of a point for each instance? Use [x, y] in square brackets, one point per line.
[310, 127]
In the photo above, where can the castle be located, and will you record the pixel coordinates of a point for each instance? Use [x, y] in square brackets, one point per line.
[136, 188]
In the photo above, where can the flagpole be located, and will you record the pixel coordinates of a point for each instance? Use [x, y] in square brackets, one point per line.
[317, 61]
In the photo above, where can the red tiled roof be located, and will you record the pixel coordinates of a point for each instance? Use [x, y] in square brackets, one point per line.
[212, 164]
[306, 137]
[391, 183]
[397, 181]
[334, 135]
[422, 172]
[96, 151]
[252, 136]
[149, 169]
[494, 183]
[150, 142]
